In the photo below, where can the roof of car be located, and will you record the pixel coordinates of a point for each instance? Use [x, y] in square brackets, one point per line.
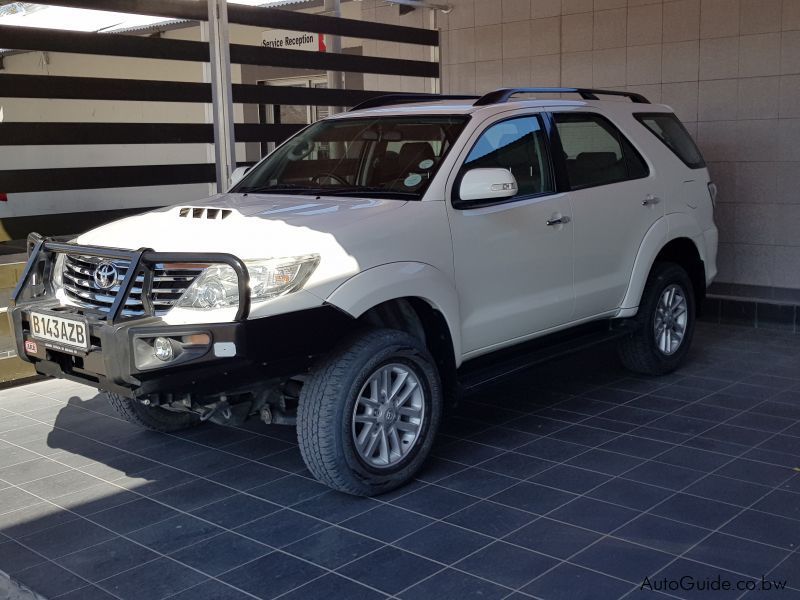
[500, 101]
[447, 107]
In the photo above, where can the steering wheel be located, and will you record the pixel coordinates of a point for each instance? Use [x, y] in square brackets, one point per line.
[334, 176]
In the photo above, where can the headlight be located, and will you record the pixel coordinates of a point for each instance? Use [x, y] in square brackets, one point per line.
[217, 286]
[58, 272]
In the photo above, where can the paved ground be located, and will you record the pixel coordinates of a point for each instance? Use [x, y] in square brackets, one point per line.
[573, 481]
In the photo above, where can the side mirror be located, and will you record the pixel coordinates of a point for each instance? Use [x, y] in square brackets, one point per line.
[237, 175]
[487, 184]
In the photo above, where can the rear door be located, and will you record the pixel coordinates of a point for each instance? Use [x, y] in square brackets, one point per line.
[616, 198]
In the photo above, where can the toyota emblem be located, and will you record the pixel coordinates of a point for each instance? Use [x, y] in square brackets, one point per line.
[105, 275]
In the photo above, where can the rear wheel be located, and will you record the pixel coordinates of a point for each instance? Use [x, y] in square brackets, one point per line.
[665, 323]
[368, 414]
[152, 417]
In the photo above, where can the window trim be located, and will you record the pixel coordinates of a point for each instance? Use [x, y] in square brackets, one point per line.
[619, 136]
[641, 116]
[459, 204]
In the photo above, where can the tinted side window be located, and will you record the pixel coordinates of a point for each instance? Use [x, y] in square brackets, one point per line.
[671, 131]
[595, 151]
[519, 146]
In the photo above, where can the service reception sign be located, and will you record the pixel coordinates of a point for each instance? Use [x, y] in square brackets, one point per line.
[293, 40]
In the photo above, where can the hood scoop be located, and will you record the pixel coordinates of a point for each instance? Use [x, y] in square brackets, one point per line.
[215, 214]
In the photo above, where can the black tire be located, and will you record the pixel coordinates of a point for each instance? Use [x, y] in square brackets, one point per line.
[152, 417]
[639, 351]
[328, 399]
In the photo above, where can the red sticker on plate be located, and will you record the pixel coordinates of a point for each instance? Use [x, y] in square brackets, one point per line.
[31, 347]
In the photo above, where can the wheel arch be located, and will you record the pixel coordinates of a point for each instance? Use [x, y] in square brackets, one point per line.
[669, 240]
[407, 296]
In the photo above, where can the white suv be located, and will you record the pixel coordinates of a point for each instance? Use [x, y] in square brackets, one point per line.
[381, 261]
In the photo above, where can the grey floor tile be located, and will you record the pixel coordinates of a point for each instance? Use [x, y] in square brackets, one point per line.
[491, 518]
[247, 476]
[434, 502]
[281, 528]
[14, 557]
[533, 497]
[443, 542]
[221, 553]
[725, 489]
[696, 511]
[336, 507]
[609, 463]
[67, 538]
[506, 564]
[90, 592]
[50, 580]
[332, 586]
[387, 523]
[570, 479]
[211, 590]
[661, 534]
[193, 494]
[407, 569]
[765, 528]
[570, 582]
[161, 578]
[106, 559]
[29, 471]
[513, 464]
[25, 521]
[553, 538]
[333, 547]
[477, 482]
[272, 575]
[756, 472]
[59, 485]
[13, 499]
[454, 585]
[738, 555]
[290, 490]
[134, 515]
[630, 494]
[174, 533]
[623, 559]
[235, 510]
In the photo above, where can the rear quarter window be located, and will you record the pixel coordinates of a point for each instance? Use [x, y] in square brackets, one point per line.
[667, 128]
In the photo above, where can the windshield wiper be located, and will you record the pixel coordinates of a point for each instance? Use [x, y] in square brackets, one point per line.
[363, 189]
[280, 187]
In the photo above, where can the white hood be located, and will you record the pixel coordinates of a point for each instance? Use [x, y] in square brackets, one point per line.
[257, 226]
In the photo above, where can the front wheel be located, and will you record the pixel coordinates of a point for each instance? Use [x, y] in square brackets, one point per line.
[369, 412]
[665, 323]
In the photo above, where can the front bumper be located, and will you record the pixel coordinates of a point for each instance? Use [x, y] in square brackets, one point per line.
[238, 355]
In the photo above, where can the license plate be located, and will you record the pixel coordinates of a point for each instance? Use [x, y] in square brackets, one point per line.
[59, 331]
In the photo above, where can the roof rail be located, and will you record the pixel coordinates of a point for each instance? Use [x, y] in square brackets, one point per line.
[504, 95]
[390, 99]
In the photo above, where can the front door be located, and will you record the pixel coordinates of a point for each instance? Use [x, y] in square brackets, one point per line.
[513, 259]
[615, 200]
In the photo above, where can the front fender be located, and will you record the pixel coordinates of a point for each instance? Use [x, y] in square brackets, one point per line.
[663, 231]
[401, 280]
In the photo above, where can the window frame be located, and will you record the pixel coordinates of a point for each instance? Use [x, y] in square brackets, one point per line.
[641, 116]
[546, 127]
[620, 136]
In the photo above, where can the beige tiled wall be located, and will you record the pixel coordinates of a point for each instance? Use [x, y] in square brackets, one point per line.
[729, 68]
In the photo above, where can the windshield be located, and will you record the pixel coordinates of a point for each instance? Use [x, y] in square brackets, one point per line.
[390, 157]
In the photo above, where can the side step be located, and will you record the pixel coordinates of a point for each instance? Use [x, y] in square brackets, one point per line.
[487, 369]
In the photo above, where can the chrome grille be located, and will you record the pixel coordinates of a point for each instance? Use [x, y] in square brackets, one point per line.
[81, 288]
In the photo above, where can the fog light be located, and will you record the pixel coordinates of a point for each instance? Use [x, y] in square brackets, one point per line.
[162, 349]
